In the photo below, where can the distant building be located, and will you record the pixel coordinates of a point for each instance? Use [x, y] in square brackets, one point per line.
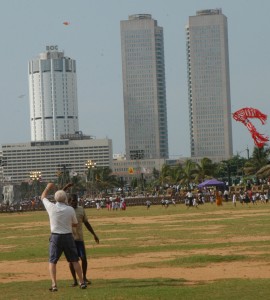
[129, 169]
[53, 95]
[209, 85]
[56, 144]
[144, 88]
[47, 157]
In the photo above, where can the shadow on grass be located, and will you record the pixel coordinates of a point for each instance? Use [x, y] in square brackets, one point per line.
[125, 283]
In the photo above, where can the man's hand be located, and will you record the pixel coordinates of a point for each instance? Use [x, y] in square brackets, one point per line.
[96, 239]
[67, 186]
[49, 186]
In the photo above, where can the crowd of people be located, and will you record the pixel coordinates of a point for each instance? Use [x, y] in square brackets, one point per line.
[212, 195]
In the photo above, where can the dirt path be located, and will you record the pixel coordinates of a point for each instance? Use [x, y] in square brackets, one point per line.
[115, 268]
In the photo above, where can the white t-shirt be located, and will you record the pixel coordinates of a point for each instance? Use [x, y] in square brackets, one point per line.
[61, 216]
[189, 195]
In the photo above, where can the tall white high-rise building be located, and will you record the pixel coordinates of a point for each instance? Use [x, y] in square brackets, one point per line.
[144, 88]
[53, 95]
[209, 85]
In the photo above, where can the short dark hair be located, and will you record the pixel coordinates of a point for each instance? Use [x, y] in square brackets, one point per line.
[73, 197]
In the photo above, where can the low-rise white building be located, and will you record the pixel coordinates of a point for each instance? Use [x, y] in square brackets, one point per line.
[20, 160]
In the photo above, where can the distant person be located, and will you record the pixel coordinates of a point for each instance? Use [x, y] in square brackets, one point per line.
[195, 203]
[62, 220]
[234, 199]
[79, 240]
[246, 198]
[163, 202]
[226, 195]
[167, 202]
[266, 197]
[218, 198]
[254, 199]
[189, 196]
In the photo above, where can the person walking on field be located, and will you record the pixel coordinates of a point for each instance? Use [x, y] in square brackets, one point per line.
[189, 196]
[234, 199]
[62, 220]
[78, 237]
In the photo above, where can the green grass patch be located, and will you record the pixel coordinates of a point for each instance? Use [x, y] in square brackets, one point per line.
[196, 238]
[147, 289]
[194, 261]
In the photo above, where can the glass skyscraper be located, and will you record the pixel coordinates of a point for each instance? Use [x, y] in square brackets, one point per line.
[209, 85]
[144, 88]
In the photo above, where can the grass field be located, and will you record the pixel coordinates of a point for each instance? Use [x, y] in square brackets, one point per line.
[175, 253]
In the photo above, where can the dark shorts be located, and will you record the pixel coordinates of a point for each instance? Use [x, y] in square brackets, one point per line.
[80, 249]
[60, 243]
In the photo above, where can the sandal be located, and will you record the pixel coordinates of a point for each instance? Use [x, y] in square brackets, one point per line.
[83, 286]
[53, 289]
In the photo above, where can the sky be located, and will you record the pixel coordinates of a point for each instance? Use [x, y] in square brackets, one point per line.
[93, 39]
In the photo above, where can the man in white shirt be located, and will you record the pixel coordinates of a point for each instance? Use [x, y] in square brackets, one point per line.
[189, 196]
[62, 219]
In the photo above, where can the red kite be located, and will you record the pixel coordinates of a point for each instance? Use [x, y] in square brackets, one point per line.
[243, 115]
[66, 23]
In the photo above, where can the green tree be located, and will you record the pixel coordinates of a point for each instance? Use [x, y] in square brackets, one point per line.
[189, 172]
[231, 170]
[78, 184]
[155, 173]
[206, 169]
[165, 175]
[104, 179]
[259, 158]
[176, 173]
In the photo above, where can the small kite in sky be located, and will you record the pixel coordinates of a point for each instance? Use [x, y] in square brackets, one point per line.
[21, 96]
[243, 115]
[66, 23]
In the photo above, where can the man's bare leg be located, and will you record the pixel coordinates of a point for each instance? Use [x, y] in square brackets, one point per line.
[52, 270]
[78, 270]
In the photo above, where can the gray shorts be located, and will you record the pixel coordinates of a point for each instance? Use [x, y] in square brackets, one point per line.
[60, 243]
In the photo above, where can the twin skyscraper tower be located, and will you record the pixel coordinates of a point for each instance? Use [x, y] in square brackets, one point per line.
[53, 89]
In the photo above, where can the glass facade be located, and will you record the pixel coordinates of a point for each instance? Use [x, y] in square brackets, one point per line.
[209, 85]
[144, 87]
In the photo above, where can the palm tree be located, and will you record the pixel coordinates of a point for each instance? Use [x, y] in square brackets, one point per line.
[155, 173]
[264, 172]
[78, 183]
[206, 169]
[189, 172]
[259, 159]
[104, 179]
[165, 175]
[176, 173]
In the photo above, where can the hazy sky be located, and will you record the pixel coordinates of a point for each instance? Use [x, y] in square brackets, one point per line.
[93, 40]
